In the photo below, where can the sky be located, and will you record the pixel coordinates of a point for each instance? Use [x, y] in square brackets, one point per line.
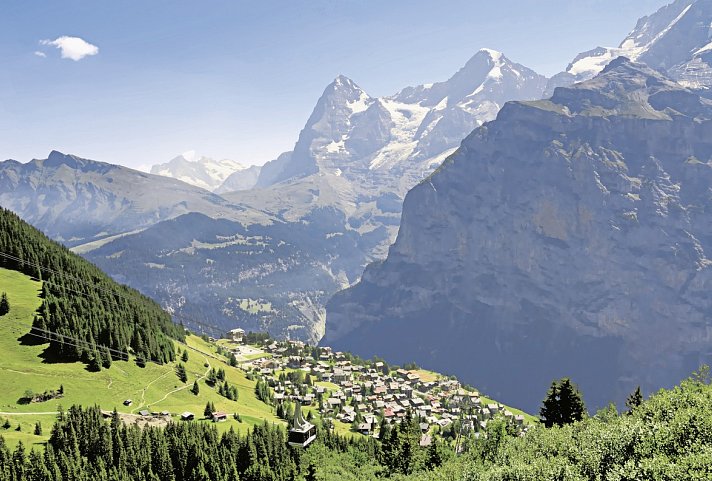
[138, 82]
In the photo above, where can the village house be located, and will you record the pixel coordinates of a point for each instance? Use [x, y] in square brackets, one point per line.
[237, 335]
[219, 417]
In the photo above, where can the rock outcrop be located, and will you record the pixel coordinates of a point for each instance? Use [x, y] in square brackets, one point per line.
[569, 237]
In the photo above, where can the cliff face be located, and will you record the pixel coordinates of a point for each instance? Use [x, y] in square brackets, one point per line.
[566, 238]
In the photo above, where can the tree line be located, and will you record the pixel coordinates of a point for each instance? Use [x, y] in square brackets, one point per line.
[86, 315]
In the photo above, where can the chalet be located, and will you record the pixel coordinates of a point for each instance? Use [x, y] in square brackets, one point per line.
[219, 417]
[341, 375]
[128, 402]
[425, 440]
[237, 335]
[187, 416]
[365, 428]
[144, 413]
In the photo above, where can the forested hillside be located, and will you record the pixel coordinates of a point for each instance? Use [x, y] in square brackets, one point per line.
[82, 307]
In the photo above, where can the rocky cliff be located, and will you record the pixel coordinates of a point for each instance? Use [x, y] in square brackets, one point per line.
[566, 238]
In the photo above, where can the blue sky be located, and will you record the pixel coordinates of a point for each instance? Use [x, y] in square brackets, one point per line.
[234, 79]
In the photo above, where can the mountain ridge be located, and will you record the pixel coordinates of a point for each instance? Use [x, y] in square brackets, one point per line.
[501, 252]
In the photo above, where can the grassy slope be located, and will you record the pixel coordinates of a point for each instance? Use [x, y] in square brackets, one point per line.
[154, 387]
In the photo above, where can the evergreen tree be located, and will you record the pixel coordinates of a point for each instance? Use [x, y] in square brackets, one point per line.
[184, 357]
[38, 428]
[180, 372]
[209, 410]
[105, 358]
[435, 455]
[634, 400]
[80, 301]
[311, 473]
[563, 404]
[4, 304]
[195, 389]
[95, 362]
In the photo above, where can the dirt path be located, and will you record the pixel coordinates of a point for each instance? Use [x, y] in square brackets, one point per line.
[143, 391]
[205, 374]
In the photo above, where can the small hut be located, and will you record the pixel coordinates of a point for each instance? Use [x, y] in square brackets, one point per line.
[303, 433]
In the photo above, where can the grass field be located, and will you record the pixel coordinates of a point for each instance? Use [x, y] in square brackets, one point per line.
[155, 388]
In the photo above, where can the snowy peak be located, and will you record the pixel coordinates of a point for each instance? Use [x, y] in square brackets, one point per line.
[650, 27]
[341, 99]
[202, 172]
[354, 136]
[487, 70]
[677, 39]
[629, 89]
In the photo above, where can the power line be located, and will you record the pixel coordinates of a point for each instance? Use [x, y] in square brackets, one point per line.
[105, 290]
[48, 333]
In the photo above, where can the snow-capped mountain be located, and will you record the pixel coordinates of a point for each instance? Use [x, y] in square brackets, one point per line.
[357, 136]
[207, 173]
[569, 237]
[321, 213]
[677, 39]
[78, 200]
[243, 179]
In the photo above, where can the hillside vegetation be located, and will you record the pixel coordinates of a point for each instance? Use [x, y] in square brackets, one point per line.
[156, 388]
[82, 308]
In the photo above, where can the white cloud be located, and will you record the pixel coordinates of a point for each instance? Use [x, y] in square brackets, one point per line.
[40, 54]
[74, 48]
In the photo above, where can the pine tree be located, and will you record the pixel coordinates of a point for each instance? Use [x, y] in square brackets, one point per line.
[105, 358]
[180, 372]
[184, 357]
[209, 410]
[95, 362]
[195, 389]
[563, 404]
[311, 473]
[634, 400]
[38, 429]
[435, 455]
[4, 304]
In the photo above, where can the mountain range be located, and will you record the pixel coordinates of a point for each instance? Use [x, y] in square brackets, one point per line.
[569, 237]
[265, 248]
[214, 175]
[677, 39]
[316, 217]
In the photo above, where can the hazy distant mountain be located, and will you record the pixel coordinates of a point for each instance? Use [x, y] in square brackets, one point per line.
[78, 200]
[244, 179]
[370, 151]
[569, 237]
[676, 39]
[208, 173]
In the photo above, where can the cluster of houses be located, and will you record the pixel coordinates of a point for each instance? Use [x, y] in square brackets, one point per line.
[364, 394]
